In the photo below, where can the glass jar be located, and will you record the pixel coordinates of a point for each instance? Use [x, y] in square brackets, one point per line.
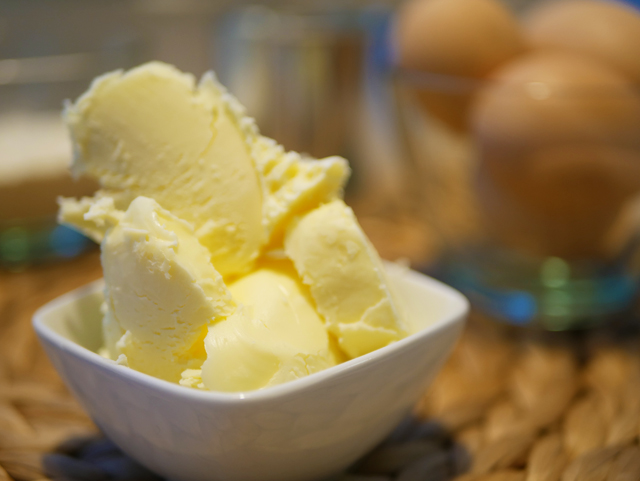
[532, 191]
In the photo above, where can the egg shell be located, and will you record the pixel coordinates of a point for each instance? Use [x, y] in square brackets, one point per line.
[566, 213]
[605, 30]
[465, 38]
[468, 38]
[450, 108]
[559, 145]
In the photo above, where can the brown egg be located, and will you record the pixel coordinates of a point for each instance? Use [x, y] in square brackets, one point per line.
[605, 30]
[559, 142]
[465, 38]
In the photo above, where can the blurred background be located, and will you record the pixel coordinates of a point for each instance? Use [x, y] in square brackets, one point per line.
[510, 176]
[310, 72]
[495, 145]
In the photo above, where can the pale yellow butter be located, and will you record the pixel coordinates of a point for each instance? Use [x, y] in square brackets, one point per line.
[275, 336]
[161, 292]
[293, 185]
[346, 278]
[195, 211]
[92, 216]
[151, 131]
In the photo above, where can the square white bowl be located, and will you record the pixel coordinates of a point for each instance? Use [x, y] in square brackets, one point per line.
[298, 431]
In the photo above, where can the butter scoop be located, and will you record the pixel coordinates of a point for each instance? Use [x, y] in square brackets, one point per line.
[153, 131]
[335, 259]
[161, 291]
[274, 336]
[193, 219]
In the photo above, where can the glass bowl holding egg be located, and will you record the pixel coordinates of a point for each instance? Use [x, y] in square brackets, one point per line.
[523, 132]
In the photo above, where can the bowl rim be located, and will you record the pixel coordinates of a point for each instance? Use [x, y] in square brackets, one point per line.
[47, 335]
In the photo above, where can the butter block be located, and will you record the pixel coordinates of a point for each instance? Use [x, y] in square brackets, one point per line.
[346, 278]
[161, 291]
[152, 132]
[275, 336]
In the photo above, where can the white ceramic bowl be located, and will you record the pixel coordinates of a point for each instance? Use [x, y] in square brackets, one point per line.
[299, 431]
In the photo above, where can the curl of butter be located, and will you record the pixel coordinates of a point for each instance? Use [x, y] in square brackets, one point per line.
[346, 278]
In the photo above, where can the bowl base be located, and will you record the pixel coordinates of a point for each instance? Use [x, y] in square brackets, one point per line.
[551, 293]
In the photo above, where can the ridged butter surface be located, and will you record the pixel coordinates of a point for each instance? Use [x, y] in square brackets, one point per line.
[230, 264]
[151, 131]
[347, 280]
[161, 291]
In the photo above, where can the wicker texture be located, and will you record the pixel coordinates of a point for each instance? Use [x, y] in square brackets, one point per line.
[509, 405]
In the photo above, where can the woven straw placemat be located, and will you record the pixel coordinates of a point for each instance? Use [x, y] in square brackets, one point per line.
[508, 406]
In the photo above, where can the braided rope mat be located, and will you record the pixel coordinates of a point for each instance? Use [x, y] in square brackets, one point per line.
[508, 406]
